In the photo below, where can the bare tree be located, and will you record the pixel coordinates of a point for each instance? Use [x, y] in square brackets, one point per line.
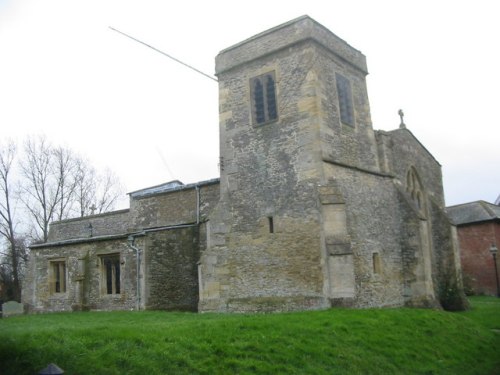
[96, 193]
[12, 266]
[64, 170]
[47, 186]
[85, 178]
[11, 257]
[54, 184]
[109, 190]
[58, 184]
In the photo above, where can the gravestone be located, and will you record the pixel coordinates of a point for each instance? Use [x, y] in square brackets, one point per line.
[51, 369]
[12, 308]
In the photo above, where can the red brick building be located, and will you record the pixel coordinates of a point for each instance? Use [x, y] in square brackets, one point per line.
[478, 227]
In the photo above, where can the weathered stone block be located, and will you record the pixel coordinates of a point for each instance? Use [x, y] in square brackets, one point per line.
[12, 308]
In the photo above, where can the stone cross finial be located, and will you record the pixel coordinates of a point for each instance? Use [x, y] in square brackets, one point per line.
[92, 208]
[401, 115]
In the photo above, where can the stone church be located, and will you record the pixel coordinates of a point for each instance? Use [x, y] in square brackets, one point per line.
[313, 208]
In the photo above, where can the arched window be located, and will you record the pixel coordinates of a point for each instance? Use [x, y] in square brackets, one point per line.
[344, 93]
[263, 96]
[415, 190]
[110, 274]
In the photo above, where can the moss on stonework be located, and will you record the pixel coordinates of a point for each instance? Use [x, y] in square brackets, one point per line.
[452, 296]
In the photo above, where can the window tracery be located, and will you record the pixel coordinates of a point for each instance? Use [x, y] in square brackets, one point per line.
[263, 97]
[415, 189]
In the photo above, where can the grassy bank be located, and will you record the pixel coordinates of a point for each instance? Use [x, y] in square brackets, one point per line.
[338, 341]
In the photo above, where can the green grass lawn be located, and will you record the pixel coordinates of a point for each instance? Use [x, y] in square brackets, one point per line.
[337, 341]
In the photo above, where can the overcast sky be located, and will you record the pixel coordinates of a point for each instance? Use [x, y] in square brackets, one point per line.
[65, 74]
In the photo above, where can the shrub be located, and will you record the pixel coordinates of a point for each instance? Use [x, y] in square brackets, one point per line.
[451, 294]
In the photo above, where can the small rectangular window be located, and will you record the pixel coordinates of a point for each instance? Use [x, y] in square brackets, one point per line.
[376, 263]
[263, 99]
[57, 276]
[271, 224]
[344, 93]
[110, 274]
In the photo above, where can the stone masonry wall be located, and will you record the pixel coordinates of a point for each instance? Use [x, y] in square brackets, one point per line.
[274, 173]
[171, 269]
[170, 256]
[270, 174]
[170, 208]
[116, 222]
[350, 145]
[156, 210]
[374, 227]
[446, 268]
[209, 198]
[83, 278]
[173, 208]
[417, 283]
[284, 36]
[406, 151]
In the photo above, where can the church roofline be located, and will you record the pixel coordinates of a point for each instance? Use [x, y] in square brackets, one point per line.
[473, 212]
[415, 138]
[108, 237]
[283, 36]
[74, 241]
[158, 189]
[109, 213]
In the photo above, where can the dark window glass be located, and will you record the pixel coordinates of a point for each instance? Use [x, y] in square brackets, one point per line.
[271, 99]
[58, 277]
[111, 274]
[58, 280]
[117, 277]
[259, 102]
[263, 94]
[344, 93]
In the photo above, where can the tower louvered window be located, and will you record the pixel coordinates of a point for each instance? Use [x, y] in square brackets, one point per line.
[263, 95]
[344, 93]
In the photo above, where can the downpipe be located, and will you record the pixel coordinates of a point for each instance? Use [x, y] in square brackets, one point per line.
[131, 244]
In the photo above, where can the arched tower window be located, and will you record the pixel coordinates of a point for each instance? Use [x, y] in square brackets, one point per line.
[263, 97]
[415, 190]
[344, 93]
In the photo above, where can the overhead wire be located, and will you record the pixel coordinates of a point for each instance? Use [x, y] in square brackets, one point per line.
[165, 54]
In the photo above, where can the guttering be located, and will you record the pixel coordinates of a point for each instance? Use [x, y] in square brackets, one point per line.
[75, 241]
[131, 244]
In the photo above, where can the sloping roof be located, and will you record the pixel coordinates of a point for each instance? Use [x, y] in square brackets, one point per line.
[157, 189]
[407, 131]
[473, 212]
[171, 186]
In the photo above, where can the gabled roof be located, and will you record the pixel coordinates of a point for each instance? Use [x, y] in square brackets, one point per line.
[473, 212]
[407, 131]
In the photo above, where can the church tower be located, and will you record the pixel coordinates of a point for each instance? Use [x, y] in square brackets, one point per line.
[317, 209]
[290, 98]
